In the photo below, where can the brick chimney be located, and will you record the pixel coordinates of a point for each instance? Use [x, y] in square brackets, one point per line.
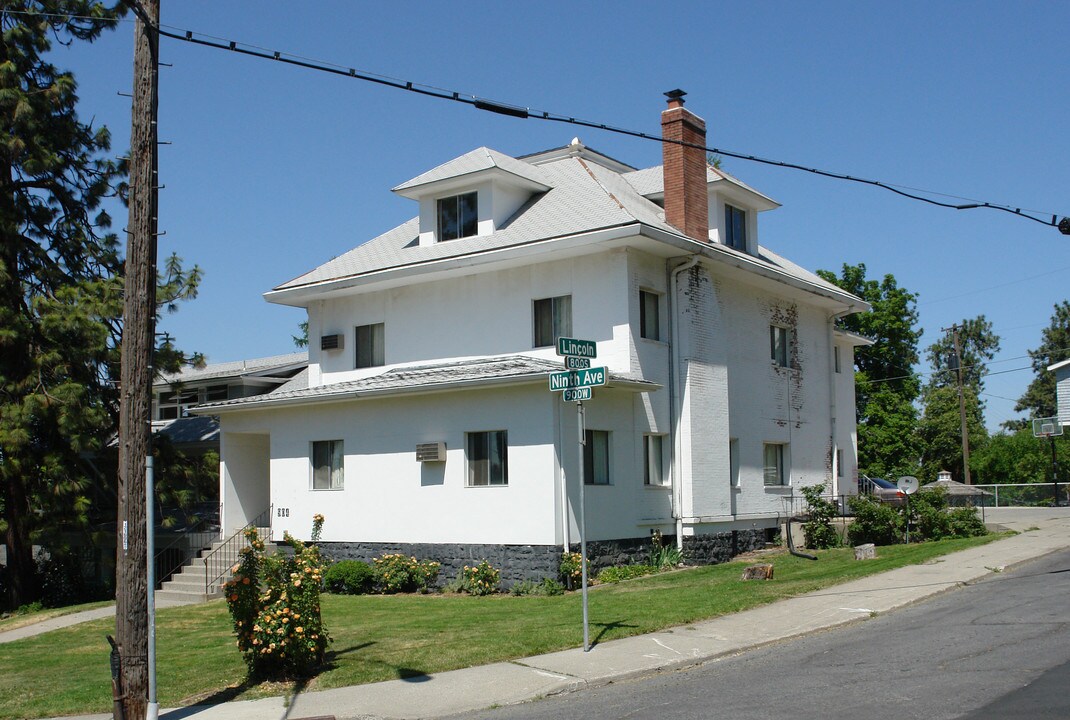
[686, 202]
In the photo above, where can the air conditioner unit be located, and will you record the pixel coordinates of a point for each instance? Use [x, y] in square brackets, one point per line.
[332, 342]
[431, 452]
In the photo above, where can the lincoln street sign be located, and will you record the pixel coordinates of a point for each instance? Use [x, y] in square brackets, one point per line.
[570, 379]
[576, 348]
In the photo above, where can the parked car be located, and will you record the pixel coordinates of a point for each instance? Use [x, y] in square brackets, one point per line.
[885, 491]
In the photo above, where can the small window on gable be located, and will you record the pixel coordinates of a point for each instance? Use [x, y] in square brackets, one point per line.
[369, 342]
[649, 317]
[216, 392]
[552, 319]
[458, 216]
[735, 227]
[778, 345]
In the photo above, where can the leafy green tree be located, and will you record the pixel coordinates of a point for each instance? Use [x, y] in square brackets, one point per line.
[886, 384]
[940, 428]
[60, 281]
[1019, 457]
[978, 344]
[1039, 398]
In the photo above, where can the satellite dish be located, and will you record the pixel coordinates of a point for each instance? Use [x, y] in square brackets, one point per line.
[908, 484]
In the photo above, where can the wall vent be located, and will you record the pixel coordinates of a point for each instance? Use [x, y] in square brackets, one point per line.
[332, 342]
[431, 452]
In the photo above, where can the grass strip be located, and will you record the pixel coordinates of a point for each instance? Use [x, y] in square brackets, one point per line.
[377, 638]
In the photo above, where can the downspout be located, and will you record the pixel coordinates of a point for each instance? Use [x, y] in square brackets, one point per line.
[674, 449]
[833, 317]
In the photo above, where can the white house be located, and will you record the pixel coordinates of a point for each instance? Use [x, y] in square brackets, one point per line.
[425, 423]
[1062, 390]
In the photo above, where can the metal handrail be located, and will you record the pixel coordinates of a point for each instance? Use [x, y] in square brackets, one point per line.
[184, 547]
[219, 561]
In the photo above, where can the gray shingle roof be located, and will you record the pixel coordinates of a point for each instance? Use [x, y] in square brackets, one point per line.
[576, 203]
[512, 369]
[478, 160]
[238, 368]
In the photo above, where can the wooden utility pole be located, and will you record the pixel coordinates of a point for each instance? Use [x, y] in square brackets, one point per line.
[139, 320]
[962, 406]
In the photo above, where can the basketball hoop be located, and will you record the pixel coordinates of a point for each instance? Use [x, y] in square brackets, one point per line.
[1047, 427]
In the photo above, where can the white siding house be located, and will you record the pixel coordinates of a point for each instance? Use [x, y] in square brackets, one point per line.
[729, 384]
[1062, 390]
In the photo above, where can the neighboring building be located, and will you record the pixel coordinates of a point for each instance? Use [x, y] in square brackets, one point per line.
[425, 423]
[1062, 390]
[174, 394]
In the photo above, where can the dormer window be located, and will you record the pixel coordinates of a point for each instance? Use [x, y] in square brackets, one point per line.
[735, 227]
[457, 216]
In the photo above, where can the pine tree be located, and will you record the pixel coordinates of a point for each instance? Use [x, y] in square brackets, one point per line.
[1039, 399]
[60, 282]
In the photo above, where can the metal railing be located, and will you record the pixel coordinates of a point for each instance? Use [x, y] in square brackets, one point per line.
[184, 547]
[218, 563]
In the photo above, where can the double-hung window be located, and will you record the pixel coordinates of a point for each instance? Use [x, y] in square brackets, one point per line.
[778, 345]
[328, 461]
[649, 315]
[735, 227]
[458, 216]
[488, 458]
[596, 457]
[653, 460]
[369, 342]
[552, 319]
[774, 471]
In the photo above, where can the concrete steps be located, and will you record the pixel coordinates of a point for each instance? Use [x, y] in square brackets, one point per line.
[188, 585]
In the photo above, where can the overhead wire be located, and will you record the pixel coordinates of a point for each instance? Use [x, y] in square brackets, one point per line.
[520, 111]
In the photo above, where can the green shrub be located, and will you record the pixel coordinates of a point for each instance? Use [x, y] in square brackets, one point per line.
[571, 571]
[398, 573]
[624, 572]
[481, 579]
[279, 626]
[818, 528]
[874, 522]
[349, 577]
[965, 522]
[662, 556]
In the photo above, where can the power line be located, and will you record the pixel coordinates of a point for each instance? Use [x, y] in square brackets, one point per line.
[524, 112]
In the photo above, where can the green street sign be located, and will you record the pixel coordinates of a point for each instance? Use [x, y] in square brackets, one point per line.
[576, 363]
[577, 394]
[576, 348]
[577, 379]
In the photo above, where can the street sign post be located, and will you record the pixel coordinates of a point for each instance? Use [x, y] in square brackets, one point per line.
[575, 385]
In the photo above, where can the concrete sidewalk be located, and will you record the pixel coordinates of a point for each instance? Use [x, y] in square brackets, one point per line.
[1043, 531]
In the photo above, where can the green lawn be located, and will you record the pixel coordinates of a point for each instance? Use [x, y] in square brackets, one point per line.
[386, 637]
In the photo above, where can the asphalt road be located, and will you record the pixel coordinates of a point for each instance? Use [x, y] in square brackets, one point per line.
[999, 649]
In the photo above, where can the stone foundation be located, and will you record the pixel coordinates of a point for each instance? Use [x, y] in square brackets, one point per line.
[535, 562]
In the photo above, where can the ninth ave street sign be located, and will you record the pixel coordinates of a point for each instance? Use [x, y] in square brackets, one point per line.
[570, 379]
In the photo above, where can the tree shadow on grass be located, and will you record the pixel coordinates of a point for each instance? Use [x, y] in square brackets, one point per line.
[606, 627]
[234, 692]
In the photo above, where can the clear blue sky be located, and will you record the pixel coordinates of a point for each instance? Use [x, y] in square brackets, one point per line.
[275, 169]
